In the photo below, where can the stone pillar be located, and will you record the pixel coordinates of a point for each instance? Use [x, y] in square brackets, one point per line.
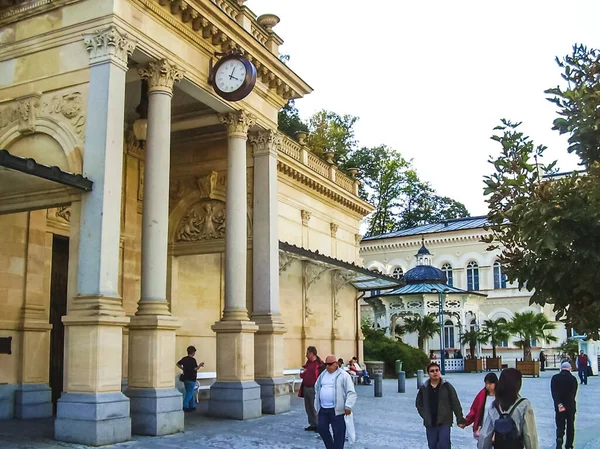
[156, 406]
[269, 353]
[235, 394]
[92, 409]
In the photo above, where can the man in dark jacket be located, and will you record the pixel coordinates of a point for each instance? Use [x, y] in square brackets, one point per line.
[564, 389]
[436, 402]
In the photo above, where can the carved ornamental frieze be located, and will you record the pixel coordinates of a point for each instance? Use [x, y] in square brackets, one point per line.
[266, 142]
[204, 221]
[161, 76]
[238, 123]
[109, 44]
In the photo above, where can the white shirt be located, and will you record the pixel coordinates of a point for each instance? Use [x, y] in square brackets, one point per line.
[326, 394]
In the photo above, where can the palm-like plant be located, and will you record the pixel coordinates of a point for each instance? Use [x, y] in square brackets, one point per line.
[471, 338]
[494, 332]
[425, 327]
[529, 326]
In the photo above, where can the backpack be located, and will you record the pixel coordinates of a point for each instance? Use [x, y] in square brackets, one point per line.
[506, 434]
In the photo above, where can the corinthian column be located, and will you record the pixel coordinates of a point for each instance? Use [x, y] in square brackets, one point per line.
[155, 403]
[268, 341]
[235, 394]
[92, 410]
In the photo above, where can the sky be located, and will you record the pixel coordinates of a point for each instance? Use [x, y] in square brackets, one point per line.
[433, 78]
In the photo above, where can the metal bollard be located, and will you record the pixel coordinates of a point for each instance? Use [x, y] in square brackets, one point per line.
[420, 375]
[378, 388]
[401, 382]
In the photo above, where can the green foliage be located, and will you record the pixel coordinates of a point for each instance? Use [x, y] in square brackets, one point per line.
[570, 347]
[330, 131]
[425, 327]
[289, 120]
[379, 347]
[529, 326]
[471, 338]
[494, 332]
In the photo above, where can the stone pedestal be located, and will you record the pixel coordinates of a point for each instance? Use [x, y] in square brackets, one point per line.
[33, 401]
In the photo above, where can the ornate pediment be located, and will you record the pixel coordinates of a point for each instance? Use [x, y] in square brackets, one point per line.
[204, 221]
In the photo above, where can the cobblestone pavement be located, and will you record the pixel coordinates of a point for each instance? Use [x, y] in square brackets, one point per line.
[382, 423]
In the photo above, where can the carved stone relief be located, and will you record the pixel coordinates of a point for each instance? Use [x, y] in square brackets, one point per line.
[334, 229]
[305, 217]
[61, 214]
[204, 221]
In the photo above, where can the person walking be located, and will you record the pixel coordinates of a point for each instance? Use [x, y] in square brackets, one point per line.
[436, 402]
[542, 360]
[582, 363]
[481, 405]
[309, 374]
[334, 399]
[564, 388]
[510, 422]
[189, 366]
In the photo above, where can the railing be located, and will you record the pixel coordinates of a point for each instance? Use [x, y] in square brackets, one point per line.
[452, 364]
[302, 154]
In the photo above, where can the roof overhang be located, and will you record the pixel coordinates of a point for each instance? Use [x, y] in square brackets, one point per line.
[361, 278]
[28, 185]
[426, 288]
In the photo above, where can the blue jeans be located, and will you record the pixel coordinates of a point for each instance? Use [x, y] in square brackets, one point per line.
[188, 400]
[328, 417]
[583, 374]
[438, 437]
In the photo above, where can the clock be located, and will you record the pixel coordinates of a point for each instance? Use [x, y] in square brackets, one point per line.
[233, 77]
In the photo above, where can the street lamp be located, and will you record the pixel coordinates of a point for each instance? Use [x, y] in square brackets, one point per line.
[441, 319]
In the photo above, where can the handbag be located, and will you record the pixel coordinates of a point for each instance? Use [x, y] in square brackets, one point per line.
[181, 378]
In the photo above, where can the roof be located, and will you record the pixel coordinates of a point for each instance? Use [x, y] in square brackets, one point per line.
[416, 289]
[456, 224]
[364, 279]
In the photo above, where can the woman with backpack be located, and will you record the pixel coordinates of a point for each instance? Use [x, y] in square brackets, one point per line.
[510, 422]
[481, 405]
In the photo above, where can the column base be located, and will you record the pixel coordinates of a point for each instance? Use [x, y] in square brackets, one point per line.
[93, 419]
[155, 411]
[33, 401]
[7, 401]
[275, 395]
[235, 400]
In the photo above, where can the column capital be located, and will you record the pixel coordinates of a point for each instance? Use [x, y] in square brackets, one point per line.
[109, 45]
[238, 123]
[266, 142]
[161, 76]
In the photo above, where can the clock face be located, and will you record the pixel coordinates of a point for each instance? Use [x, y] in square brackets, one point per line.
[230, 75]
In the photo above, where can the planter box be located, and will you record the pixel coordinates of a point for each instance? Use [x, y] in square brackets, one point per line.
[493, 363]
[473, 365]
[375, 367]
[529, 368]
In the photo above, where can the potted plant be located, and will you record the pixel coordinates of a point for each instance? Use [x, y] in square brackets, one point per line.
[425, 327]
[471, 338]
[530, 326]
[494, 333]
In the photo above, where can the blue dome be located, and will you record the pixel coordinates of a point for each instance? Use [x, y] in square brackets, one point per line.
[425, 273]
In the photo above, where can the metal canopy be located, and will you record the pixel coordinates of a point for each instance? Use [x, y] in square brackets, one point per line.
[425, 288]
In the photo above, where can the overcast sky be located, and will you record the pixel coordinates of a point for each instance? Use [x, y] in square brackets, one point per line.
[432, 78]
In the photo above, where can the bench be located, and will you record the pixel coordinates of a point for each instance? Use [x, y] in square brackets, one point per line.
[204, 380]
[294, 377]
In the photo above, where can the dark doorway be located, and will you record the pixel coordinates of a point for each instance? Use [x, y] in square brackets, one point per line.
[58, 308]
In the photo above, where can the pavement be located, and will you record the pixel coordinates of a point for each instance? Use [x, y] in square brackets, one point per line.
[381, 423]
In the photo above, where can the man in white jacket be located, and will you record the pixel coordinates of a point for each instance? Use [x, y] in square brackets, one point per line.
[334, 398]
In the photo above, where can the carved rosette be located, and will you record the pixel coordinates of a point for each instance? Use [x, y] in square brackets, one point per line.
[305, 217]
[334, 229]
[204, 221]
[266, 142]
[238, 123]
[109, 45]
[161, 76]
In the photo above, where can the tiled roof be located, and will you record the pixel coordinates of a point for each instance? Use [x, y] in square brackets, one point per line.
[457, 224]
[415, 289]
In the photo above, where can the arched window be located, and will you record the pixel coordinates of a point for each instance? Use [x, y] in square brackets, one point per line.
[503, 344]
[398, 273]
[447, 269]
[473, 325]
[499, 276]
[472, 276]
[449, 334]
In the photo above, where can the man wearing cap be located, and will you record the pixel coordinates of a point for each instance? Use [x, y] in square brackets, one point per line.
[564, 389]
[334, 398]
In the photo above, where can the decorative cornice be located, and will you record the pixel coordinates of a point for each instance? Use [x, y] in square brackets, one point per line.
[109, 45]
[238, 123]
[266, 142]
[375, 246]
[161, 76]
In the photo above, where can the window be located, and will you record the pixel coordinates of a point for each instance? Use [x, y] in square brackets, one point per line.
[398, 273]
[503, 344]
[499, 277]
[447, 269]
[473, 325]
[449, 334]
[533, 342]
[472, 276]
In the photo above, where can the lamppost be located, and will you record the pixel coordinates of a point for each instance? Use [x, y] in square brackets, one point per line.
[441, 319]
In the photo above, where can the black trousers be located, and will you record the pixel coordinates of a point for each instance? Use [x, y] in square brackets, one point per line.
[566, 418]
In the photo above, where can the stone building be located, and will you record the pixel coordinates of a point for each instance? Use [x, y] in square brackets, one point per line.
[126, 236]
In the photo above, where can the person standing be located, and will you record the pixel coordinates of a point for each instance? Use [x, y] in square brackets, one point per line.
[564, 388]
[542, 360]
[481, 405]
[189, 366]
[334, 398]
[436, 402]
[582, 366]
[309, 374]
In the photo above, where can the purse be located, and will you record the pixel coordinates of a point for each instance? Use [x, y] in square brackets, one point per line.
[181, 378]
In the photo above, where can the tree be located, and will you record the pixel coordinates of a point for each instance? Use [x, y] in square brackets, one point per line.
[425, 327]
[289, 120]
[530, 326]
[495, 332]
[330, 131]
[471, 338]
